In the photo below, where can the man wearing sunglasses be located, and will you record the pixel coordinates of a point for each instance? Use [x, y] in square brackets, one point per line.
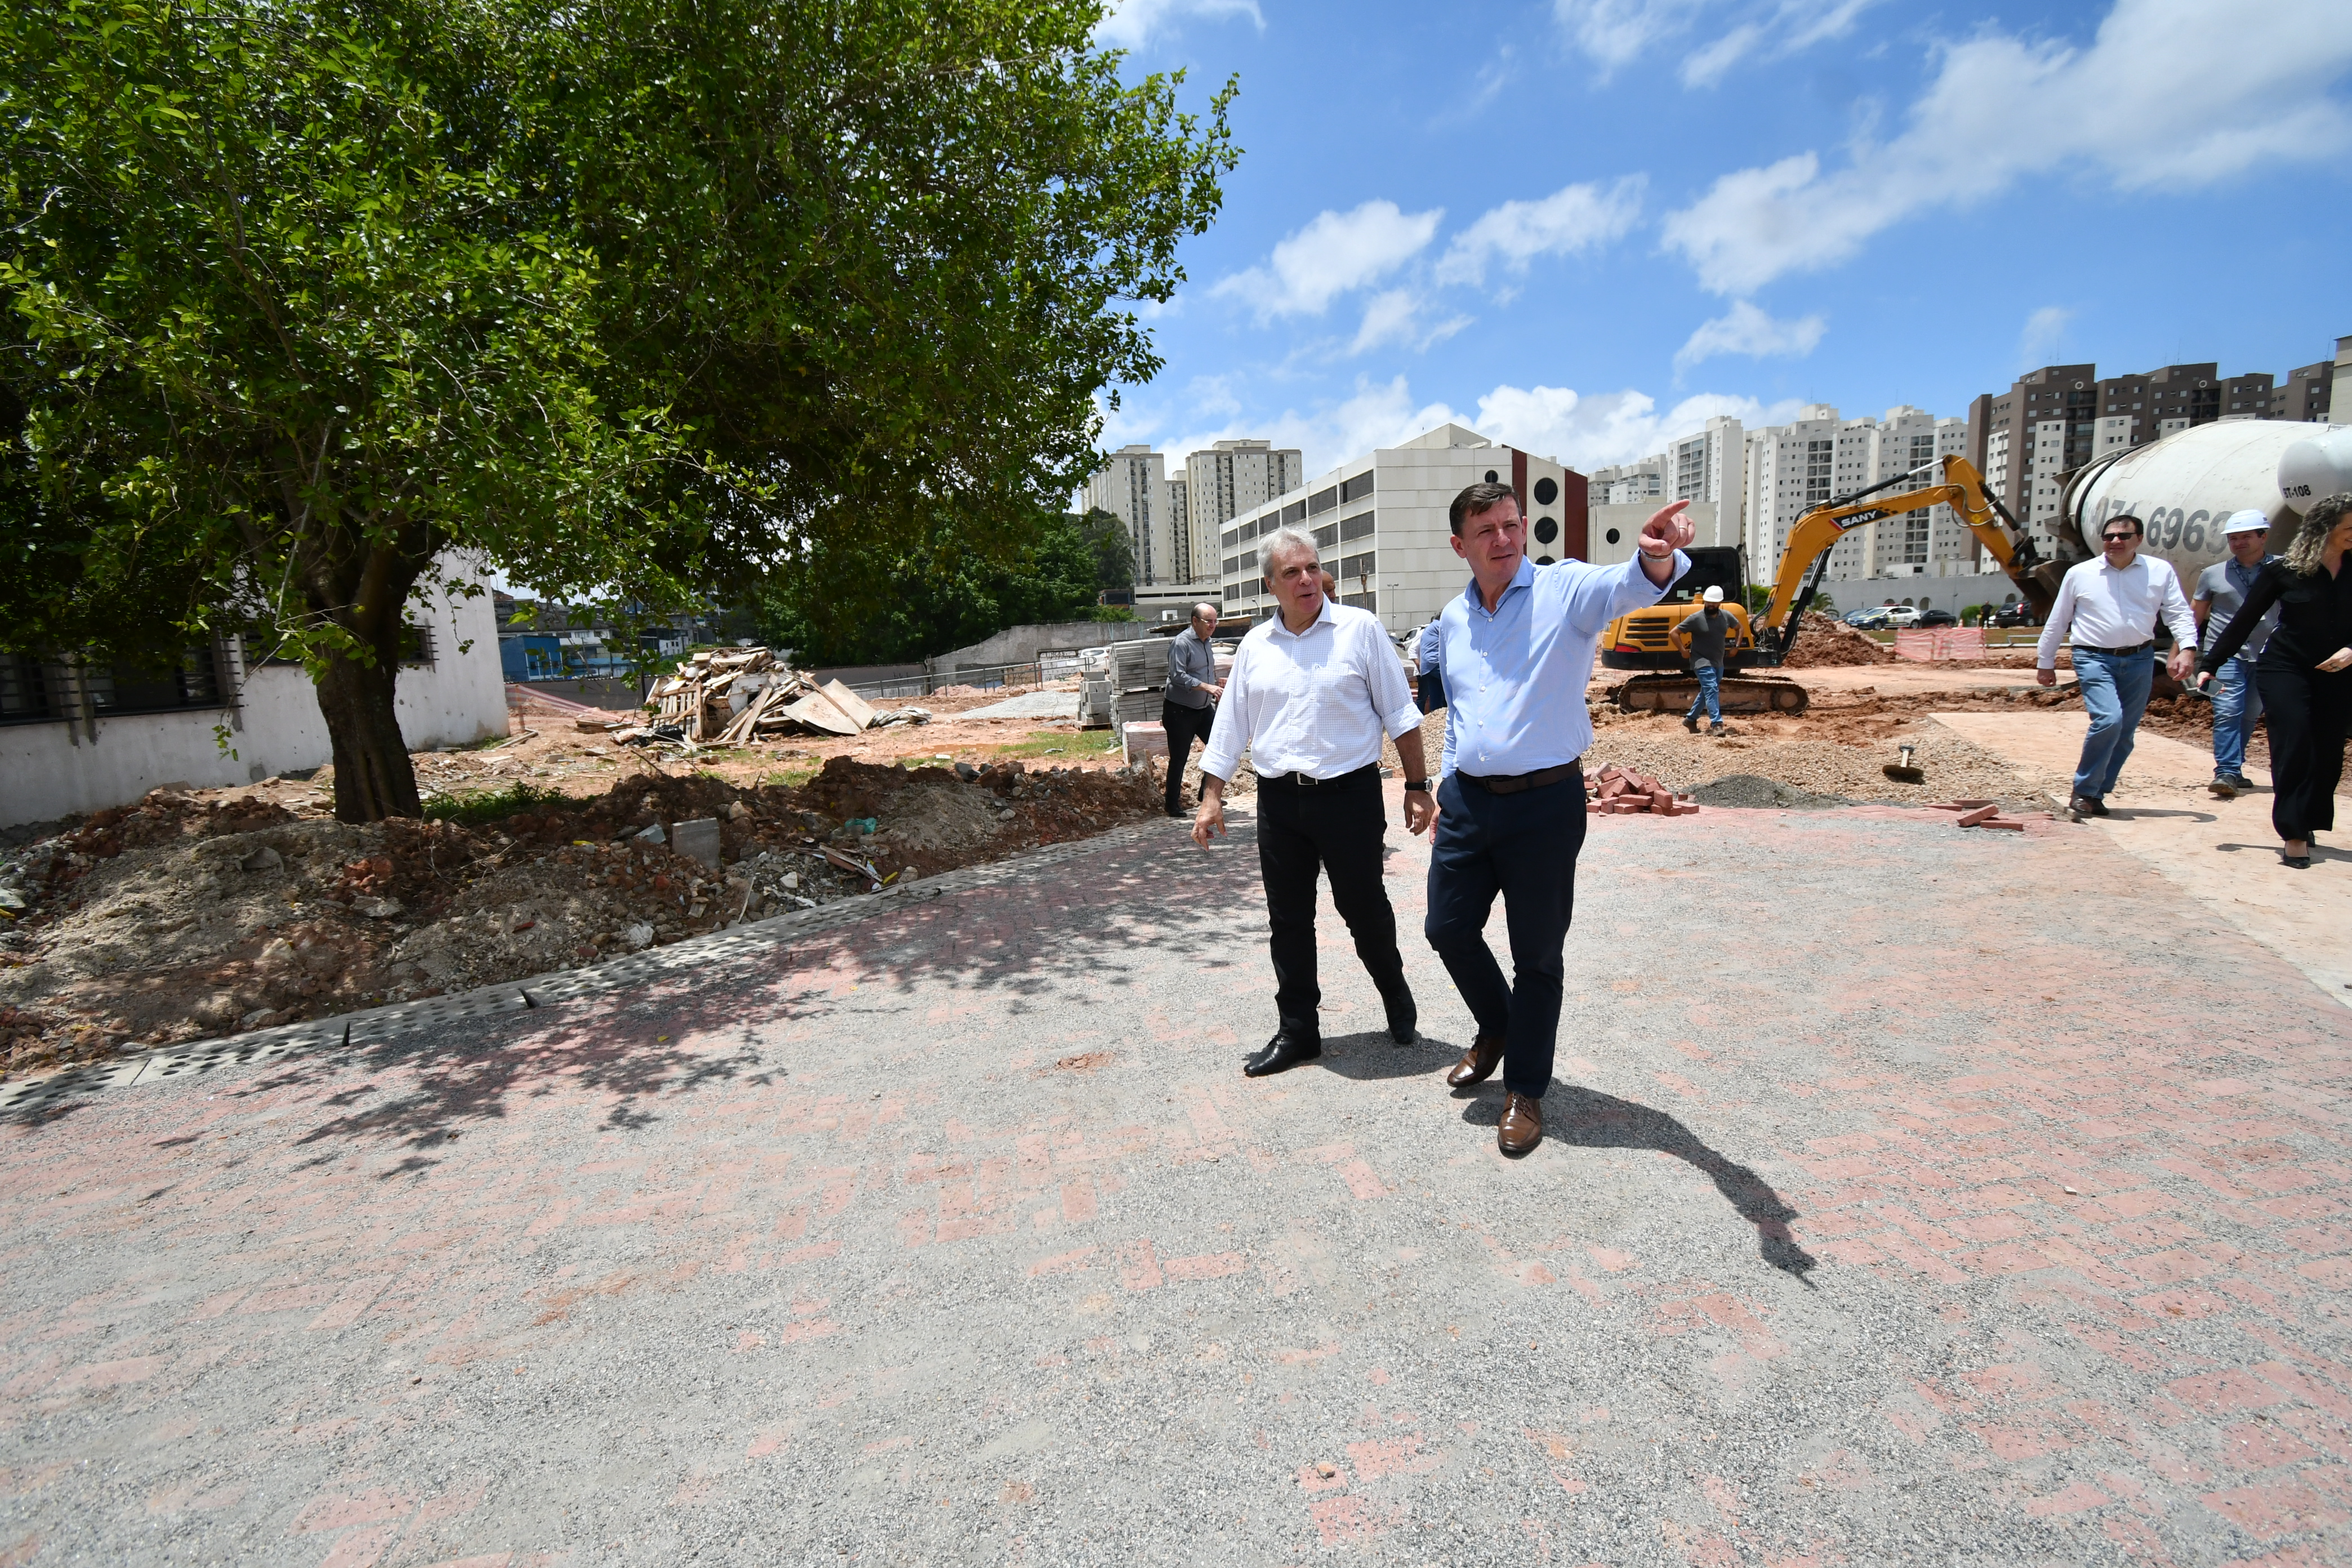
[2111, 606]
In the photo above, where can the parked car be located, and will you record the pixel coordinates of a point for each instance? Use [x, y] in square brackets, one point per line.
[1938, 618]
[2018, 615]
[1901, 616]
[1855, 617]
[1869, 619]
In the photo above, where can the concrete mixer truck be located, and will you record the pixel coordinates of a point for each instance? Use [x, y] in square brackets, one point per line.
[2184, 487]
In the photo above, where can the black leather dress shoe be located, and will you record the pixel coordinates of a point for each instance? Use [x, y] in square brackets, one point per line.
[1404, 1018]
[1282, 1051]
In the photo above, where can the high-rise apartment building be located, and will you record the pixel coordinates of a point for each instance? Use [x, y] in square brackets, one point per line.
[1133, 487]
[1819, 458]
[1227, 479]
[2303, 396]
[2044, 425]
[1627, 484]
[1709, 467]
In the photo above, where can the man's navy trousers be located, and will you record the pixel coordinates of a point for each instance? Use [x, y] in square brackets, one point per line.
[1524, 847]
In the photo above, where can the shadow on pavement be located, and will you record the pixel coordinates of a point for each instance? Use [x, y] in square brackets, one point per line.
[1373, 1058]
[1590, 1120]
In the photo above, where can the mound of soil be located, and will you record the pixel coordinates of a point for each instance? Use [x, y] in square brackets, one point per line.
[1822, 642]
[1754, 792]
[175, 919]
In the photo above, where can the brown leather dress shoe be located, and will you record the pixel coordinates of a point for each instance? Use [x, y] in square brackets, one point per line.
[1477, 1064]
[1522, 1127]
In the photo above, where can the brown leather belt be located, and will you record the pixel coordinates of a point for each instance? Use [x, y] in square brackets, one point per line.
[2119, 652]
[1512, 783]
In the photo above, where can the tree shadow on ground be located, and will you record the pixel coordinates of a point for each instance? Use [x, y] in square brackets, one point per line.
[1590, 1120]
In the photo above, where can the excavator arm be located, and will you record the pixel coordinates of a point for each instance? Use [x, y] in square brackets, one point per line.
[1805, 558]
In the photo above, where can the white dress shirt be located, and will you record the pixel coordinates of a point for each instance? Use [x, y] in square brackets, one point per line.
[1316, 703]
[2104, 608]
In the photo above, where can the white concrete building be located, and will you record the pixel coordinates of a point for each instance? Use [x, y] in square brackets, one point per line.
[1820, 457]
[1381, 521]
[1226, 481]
[74, 739]
[1133, 487]
[1709, 467]
[1630, 484]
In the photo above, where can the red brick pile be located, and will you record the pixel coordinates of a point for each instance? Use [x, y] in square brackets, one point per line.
[1617, 791]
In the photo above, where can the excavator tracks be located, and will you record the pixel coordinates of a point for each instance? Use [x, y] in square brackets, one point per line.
[1739, 694]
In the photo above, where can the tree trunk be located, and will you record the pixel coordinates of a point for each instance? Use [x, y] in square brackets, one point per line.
[374, 779]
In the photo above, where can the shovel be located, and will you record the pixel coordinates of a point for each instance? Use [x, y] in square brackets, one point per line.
[1902, 771]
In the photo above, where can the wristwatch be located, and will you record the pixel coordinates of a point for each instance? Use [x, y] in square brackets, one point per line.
[1420, 785]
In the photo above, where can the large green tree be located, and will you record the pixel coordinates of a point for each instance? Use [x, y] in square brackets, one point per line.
[302, 297]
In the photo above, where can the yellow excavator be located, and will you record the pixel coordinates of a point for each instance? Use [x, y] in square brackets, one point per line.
[1642, 640]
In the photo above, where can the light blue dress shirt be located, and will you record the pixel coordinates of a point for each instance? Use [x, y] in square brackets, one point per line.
[1515, 679]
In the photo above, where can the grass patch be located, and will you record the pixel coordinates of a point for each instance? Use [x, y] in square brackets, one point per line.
[475, 808]
[1081, 745]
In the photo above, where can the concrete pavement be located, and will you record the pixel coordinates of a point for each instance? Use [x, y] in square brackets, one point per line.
[1912, 1194]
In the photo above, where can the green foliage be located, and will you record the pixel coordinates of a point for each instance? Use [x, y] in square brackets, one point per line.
[1114, 550]
[938, 596]
[297, 296]
[1758, 595]
[478, 809]
[1065, 744]
[1823, 605]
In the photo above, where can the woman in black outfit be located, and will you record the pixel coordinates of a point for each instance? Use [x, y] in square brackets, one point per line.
[2305, 673]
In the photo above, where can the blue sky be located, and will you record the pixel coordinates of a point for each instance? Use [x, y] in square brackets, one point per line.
[1582, 226]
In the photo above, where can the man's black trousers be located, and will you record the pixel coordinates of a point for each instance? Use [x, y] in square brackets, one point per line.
[1335, 827]
[1523, 846]
[1185, 725]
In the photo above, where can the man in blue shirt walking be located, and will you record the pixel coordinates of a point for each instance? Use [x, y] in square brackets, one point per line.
[1517, 649]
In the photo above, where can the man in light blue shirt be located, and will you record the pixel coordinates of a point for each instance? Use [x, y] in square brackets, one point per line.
[1518, 650]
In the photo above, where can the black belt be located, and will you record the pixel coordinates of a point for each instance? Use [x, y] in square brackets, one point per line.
[2117, 652]
[1309, 781]
[1512, 783]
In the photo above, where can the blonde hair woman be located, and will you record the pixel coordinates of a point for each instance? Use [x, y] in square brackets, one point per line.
[2305, 673]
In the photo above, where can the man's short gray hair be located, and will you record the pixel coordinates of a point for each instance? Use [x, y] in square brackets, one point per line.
[1281, 541]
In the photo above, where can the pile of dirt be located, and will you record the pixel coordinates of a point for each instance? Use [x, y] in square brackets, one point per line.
[1754, 792]
[1822, 642]
[179, 918]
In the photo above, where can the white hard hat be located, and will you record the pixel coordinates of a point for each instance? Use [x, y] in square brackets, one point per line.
[1713, 596]
[2246, 521]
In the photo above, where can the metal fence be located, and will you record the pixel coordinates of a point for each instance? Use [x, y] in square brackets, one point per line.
[985, 677]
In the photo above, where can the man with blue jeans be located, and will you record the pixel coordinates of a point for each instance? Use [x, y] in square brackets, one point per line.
[1517, 649]
[2111, 605]
[1701, 637]
[2237, 701]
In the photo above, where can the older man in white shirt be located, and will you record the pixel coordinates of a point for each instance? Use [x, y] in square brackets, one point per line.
[1312, 693]
[2111, 605]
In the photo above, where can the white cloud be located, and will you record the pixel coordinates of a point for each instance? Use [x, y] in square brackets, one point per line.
[1593, 430]
[2213, 91]
[1571, 219]
[1131, 22]
[1584, 430]
[1614, 33]
[1396, 316]
[1377, 413]
[1334, 254]
[2044, 331]
[1745, 330]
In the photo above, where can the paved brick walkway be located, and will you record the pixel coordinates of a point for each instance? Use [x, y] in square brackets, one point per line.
[1911, 1196]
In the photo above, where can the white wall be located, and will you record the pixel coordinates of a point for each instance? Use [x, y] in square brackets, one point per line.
[53, 770]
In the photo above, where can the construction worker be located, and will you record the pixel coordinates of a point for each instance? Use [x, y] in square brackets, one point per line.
[2112, 603]
[1700, 639]
[2222, 588]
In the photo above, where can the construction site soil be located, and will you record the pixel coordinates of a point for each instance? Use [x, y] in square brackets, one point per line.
[198, 913]
[192, 915]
